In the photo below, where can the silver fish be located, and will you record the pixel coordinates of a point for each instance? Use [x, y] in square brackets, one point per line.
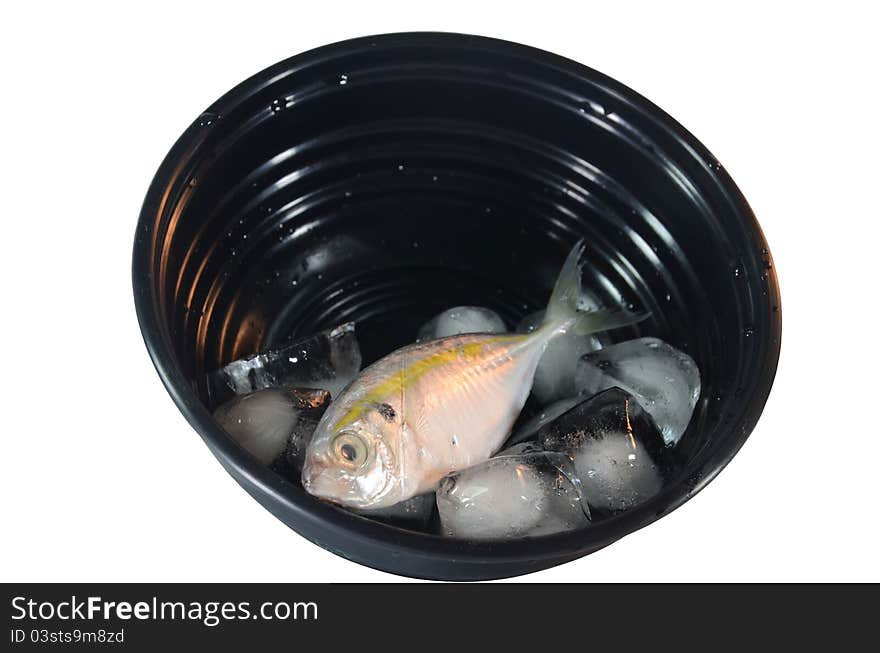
[436, 407]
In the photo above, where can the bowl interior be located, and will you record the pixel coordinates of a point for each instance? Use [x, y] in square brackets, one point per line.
[385, 179]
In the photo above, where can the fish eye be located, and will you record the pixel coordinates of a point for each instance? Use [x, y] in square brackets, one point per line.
[350, 450]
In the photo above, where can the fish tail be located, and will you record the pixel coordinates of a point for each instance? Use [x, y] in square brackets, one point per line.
[562, 314]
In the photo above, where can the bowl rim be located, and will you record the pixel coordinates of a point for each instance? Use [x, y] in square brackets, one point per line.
[315, 515]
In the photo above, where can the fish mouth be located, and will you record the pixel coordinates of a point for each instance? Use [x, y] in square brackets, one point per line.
[314, 478]
[329, 484]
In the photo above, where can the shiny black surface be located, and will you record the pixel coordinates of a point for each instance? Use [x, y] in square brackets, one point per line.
[387, 178]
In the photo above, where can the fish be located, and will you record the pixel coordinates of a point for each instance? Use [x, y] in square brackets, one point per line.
[432, 408]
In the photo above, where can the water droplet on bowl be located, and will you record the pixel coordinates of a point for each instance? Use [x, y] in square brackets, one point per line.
[208, 118]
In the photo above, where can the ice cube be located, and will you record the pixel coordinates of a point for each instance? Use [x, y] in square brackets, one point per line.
[268, 422]
[554, 378]
[618, 453]
[312, 404]
[461, 319]
[513, 495]
[521, 448]
[664, 380]
[529, 427]
[329, 360]
[415, 512]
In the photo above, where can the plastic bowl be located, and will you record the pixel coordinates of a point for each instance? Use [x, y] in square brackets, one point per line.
[386, 178]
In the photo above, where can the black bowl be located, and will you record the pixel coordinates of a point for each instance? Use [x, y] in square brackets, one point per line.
[384, 179]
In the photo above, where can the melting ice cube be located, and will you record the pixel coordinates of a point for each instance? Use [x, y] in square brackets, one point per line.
[512, 495]
[665, 381]
[312, 404]
[528, 428]
[329, 360]
[461, 319]
[521, 448]
[269, 422]
[618, 453]
[554, 378]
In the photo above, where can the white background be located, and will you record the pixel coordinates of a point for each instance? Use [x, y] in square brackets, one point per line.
[103, 480]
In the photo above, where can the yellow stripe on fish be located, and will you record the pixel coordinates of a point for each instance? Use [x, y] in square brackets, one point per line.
[418, 368]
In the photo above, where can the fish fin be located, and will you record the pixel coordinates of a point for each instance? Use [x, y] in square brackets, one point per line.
[563, 316]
